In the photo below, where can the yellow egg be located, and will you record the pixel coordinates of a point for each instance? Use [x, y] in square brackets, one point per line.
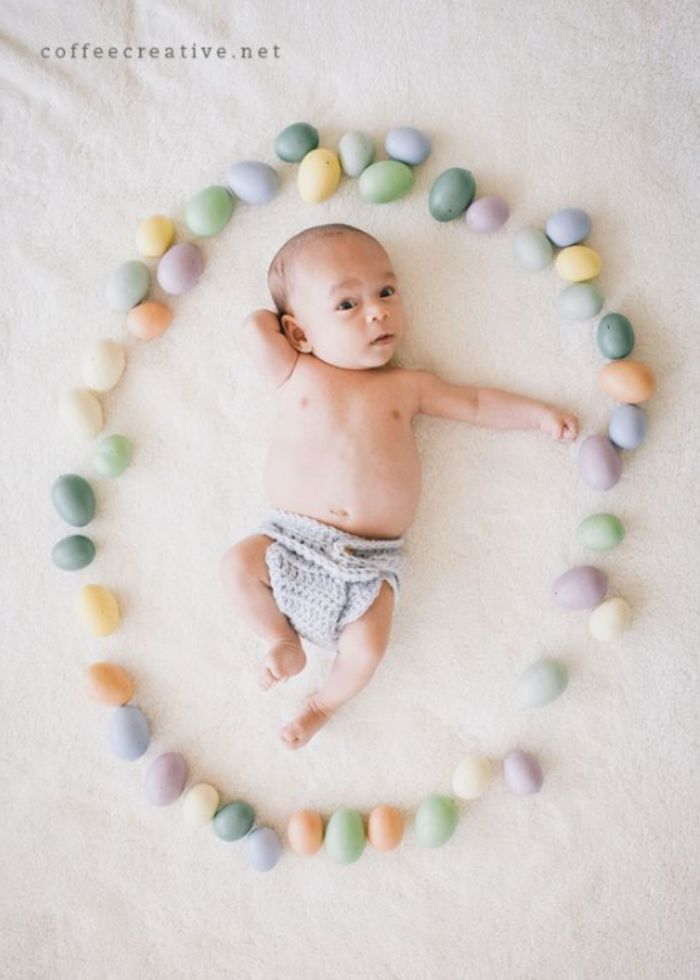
[108, 683]
[626, 381]
[385, 828]
[578, 263]
[471, 777]
[148, 320]
[305, 832]
[610, 619]
[98, 610]
[80, 410]
[200, 805]
[319, 175]
[154, 235]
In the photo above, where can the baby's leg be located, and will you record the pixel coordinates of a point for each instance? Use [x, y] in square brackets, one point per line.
[361, 646]
[247, 583]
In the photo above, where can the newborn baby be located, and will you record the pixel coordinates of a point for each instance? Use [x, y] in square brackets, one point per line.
[343, 472]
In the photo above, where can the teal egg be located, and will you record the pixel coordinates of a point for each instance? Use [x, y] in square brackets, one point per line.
[436, 820]
[600, 532]
[127, 285]
[533, 250]
[113, 455]
[209, 211]
[294, 142]
[345, 836]
[541, 683]
[615, 336]
[234, 820]
[451, 194]
[74, 499]
[74, 552]
[384, 181]
[356, 152]
[580, 301]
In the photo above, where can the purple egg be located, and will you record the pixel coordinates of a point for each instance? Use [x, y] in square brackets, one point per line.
[581, 587]
[180, 268]
[262, 849]
[627, 427]
[253, 182]
[599, 463]
[166, 778]
[522, 773]
[487, 213]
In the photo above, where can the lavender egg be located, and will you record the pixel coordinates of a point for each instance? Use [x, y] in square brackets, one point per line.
[180, 268]
[568, 227]
[129, 734]
[522, 773]
[408, 145]
[262, 849]
[165, 779]
[627, 427]
[253, 182]
[582, 587]
[599, 463]
[487, 214]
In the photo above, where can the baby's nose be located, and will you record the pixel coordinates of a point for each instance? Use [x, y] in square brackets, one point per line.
[376, 313]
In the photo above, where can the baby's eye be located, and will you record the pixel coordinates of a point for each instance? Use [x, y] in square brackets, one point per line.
[342, 306]
[391, 290]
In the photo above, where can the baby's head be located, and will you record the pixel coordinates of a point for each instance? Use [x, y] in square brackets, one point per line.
[336, 293]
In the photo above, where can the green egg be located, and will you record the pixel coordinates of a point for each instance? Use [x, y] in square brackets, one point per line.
[74, 552]
[113, 455]
[294, 142]
[580, 301]
[74, 499]
[384, 181]
[436, 820]
[542, 682]
[345, 836]
[451, 194]
[234, 820]
[601, 532]
[127, 285]
[532, 249]
[209, 211]
[615, 336]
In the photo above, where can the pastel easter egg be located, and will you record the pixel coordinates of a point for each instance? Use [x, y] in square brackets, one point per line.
[345, 836]
[180, 268]
[599, 463]
[165, 779]
[580, 301]
[155, 235]
[628, 426]
[542, 683]
[408, 145]
[305, 832]
[522, 773]
[582, 587]
[577, 263]
[600, 532]
[209, 211]
[385, 828]
[451, 194]
[200, 804]
[129, 733]
[627, 381]
[113, 455]
[127, 285]
[103, 364]
[149, 320]
[262, 849]
[74, 552]
[294, 142]
[356, 152]
[80, 411]
[108, 683]
[614, 336]
[471, 777]
[568, 226]
[610, 619]
[233, 820]
[98, 610]
[533, 250]
[487, 214]
[436, 820]
[318, 176]
[74, 499]
[385, 181]
[253, 182]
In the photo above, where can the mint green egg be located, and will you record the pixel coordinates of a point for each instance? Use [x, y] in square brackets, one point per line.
[356, 152]
[234, 820]
[601, 532]
[451, 194]
[209, 211]
[436, 820]
[74, 499]
[384, 181]
[113, 455]
[345, 836]
[294, 142]
[74, 552]
[580, 301]
[542, 682]
[533, 250]
[127, 285]
[615, 336]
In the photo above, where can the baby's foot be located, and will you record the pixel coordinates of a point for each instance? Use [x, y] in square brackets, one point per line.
[306, 724]
[283, 660]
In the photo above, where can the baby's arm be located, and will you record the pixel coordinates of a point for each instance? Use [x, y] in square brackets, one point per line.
[266, 345]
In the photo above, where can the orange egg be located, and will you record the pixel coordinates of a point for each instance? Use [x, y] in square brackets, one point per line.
[108, 683]
[627, 381]
[305, 831]
[149, 320]
[385, 828]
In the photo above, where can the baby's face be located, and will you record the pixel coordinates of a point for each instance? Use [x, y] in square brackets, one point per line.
[345, 294]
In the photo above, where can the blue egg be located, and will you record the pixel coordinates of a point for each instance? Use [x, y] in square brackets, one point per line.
[129, 734]
[253, 182]
[568, 227]
[628, 426]
[408, 145]
[262, 849]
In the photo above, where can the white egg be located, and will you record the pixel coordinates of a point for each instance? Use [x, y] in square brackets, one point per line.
[471, 777]
[80, 410]
[610, 619]
[103, 364]
[200, 805]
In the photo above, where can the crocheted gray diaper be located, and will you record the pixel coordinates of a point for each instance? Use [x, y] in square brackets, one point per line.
[323, 578]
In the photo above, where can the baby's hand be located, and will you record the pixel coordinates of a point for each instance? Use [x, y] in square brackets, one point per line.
[560, 425]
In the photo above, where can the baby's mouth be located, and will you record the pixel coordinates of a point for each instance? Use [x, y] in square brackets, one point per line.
[383, 338]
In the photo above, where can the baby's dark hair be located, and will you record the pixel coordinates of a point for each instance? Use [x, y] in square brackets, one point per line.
[278, 273]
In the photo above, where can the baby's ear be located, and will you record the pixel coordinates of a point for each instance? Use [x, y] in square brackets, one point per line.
[294, 334]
